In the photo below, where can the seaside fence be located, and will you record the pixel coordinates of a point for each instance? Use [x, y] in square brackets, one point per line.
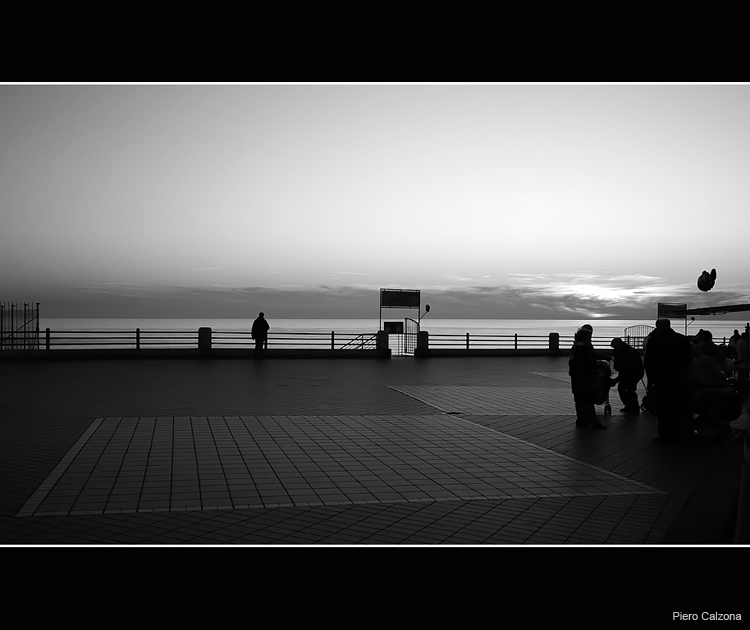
[203, 338]
[405, 344]
[481, 341]
[19, 326]
[470, 343]
[636, 335]
[24, 325]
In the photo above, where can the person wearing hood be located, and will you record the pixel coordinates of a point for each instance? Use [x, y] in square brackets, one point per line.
[582, 369]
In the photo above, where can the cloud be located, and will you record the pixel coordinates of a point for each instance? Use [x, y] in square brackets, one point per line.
[584, 293]
[625, 291]
[579, 294]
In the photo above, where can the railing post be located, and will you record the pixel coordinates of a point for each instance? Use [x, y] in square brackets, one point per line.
[554, 342]
[46, 339]
[423, 342]
[467, 341]
[37, 326]
[381, 342]
[332, 346]
[515, 341]
[137, 338]
[204, 338]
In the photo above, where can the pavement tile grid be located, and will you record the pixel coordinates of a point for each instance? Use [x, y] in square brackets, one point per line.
[220, 389]
[136, 465]
[558, 376]
[489, 400]
[563, 376]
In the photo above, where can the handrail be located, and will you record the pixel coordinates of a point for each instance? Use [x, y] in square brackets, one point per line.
[362, 341]
[489, 341]
[19, 327]
[104, 339]
[485, 341]
[345, 341]
[22, 328]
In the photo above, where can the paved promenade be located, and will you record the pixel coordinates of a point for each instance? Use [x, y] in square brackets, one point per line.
[460, 451]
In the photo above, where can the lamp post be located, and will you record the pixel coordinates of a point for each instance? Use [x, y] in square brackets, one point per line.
[426, 310]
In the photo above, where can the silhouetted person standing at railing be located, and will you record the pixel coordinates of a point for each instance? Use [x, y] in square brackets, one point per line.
[259, 333]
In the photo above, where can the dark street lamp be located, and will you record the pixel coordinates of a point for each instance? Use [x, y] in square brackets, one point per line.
[426, 310]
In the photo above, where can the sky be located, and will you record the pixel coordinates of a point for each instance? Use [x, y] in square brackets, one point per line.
[303, 200]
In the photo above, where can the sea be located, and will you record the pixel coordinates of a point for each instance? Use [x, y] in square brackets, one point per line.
[720, 328]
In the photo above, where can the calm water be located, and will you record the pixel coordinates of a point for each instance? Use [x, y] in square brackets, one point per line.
[565, 327]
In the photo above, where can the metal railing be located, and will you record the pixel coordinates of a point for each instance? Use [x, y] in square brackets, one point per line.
[476, 341]
[170, 339]
[635, 335]
[482, 341]
[19, 326]
[363, 341]
[137, 339]
[287, 340]
[111, 339]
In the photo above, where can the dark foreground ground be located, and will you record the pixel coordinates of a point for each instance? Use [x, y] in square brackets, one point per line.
[464, 451]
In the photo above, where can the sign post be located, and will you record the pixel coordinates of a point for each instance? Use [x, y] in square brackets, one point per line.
[398, 298]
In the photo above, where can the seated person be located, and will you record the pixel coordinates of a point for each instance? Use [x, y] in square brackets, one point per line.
[725, 364]
[714, 398]
[703, 343]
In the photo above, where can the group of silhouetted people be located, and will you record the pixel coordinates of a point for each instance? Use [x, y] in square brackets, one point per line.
[686, 377]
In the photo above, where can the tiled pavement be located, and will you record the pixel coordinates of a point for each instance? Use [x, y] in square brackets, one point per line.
[437, 451]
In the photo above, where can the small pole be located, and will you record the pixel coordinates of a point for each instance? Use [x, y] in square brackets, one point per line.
[515, 341]
[332, 340]
[467, 341]
[47, 339]
[137, 338]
